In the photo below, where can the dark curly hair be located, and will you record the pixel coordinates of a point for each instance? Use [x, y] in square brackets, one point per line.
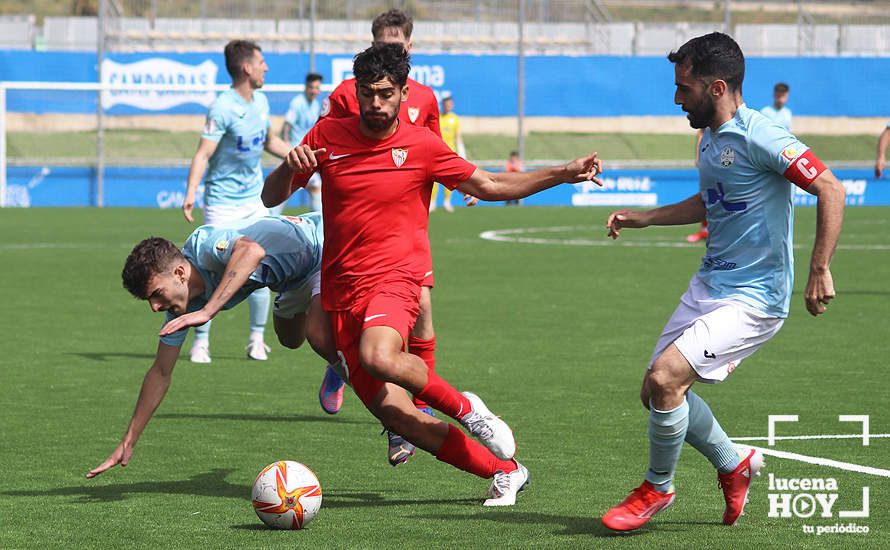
[148, 258]
[382, 61]
[714, 55]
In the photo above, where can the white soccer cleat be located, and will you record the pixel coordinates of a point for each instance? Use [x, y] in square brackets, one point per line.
[200, 352]
[258, 350]
[490, 430]
[448, 208]
[505, 487]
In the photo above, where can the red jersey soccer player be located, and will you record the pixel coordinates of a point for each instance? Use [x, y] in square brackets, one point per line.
[420, 109]
[378, 174]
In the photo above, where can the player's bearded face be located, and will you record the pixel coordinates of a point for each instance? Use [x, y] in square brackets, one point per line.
[701, 113]
[379, 103]
[166, 292]
[693, 96]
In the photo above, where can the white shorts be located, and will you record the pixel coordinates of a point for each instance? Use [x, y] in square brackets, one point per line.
[714, 335]
[220, 213]
[290, 303]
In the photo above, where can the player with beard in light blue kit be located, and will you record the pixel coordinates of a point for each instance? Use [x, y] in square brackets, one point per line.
[235, 134]
[740, 296]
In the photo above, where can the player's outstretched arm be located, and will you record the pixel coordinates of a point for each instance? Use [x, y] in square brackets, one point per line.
[154, 387]
[830, 200]
[690, 210]
[246, 257]
[278, 146]
[302, 159]
[500, 186]
[206, 148]
[883, 141]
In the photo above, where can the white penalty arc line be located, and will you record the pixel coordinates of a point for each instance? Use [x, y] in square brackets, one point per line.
[804, 437]
[516, 235]
[818, 461]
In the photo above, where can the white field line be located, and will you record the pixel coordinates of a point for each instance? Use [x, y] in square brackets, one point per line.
[517, 236]
[803, 437]
[818, 461]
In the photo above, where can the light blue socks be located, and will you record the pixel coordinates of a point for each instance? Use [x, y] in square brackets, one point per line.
[705, 434]
[667, 430]
[259, 310]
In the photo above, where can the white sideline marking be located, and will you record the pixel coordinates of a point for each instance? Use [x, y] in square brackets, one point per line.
[510, 236]
[799, 437]
[825, 462]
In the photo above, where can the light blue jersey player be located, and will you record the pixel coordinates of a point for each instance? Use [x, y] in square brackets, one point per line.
[778, 112]
[300, 118]
[219, 266]
[228, 161]
[739, 297]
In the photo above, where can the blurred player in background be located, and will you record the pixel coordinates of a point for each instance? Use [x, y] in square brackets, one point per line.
[779, 112]
[378, 173]
[449, 123]
[230, 151]
[513, 164]
[420, 109]
[883, 141]
[302, 115]
[740, 296]
[219, 266]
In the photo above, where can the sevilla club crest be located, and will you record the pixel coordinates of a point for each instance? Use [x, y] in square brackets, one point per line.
[399, 156]
[413, 113]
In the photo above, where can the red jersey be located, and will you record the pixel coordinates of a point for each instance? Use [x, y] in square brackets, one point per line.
[421, 108]
[376, 196]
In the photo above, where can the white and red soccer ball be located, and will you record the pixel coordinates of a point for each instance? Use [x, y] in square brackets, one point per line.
[286, 495]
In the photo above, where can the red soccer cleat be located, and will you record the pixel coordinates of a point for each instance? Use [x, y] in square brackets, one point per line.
[697, 236]
[736, 484]
[637, 509]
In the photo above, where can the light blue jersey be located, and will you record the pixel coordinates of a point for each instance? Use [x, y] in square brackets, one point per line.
[293, 255]
[749, 210]
[782, 117]
[301, 115]
[234, 175]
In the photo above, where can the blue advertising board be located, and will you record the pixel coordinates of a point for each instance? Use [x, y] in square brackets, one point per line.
[483, 85]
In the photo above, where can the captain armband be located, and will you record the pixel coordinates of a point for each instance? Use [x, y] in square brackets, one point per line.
[804, 169]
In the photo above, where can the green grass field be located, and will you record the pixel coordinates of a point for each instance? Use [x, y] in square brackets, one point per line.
[554, 337]
[123, 146]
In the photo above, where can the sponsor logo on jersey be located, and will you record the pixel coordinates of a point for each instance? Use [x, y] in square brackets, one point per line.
[789, 153]
[222, 245]
[727, 157]
[399, 156]
[413, 113]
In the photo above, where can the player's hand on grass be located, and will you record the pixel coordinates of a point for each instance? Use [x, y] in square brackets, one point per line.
[624, 218]
[585, 169]
[819, 291]
[303, 158]
[193, 319]
[470, 200]
[120, 456]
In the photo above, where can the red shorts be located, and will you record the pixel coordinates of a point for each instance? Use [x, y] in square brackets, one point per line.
[394, 305]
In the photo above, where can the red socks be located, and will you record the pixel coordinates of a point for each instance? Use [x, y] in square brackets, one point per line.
[426, 350]
[443, 397]
[462, 452]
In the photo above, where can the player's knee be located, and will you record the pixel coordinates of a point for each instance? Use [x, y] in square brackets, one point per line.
[288, 338]
[378, 360]
[661, 382]
[645, 393]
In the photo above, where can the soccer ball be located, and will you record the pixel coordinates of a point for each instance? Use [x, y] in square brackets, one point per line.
[286, 495]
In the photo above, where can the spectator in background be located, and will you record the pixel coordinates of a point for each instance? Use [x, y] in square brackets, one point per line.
[449, 124]
[235, 134]
[779, 112]
[513, 165]
[301, 115]
[883, 141]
